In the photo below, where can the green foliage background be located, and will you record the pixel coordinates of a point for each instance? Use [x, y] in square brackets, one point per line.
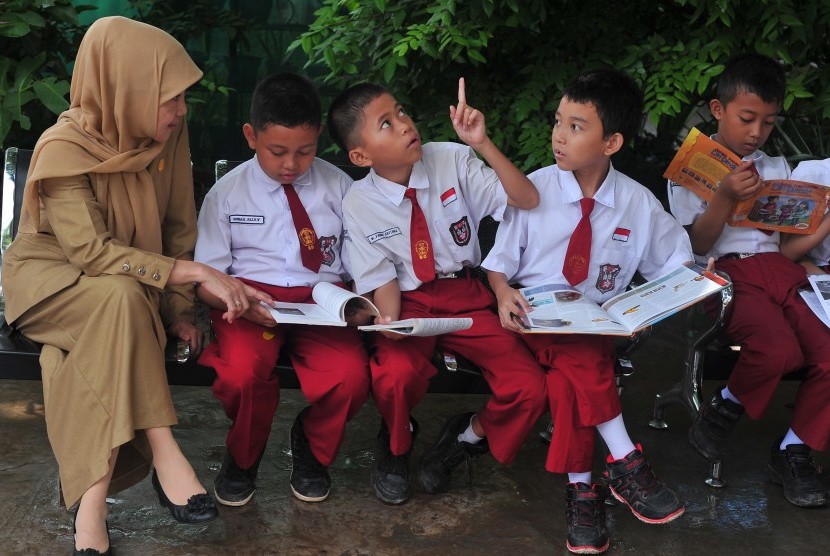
[516, 56]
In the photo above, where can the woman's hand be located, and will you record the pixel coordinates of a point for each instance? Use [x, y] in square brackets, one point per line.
[189, 333]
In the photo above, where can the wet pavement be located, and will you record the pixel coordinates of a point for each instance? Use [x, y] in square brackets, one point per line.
[506, 510]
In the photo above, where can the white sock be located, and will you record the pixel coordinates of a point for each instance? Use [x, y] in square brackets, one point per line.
[790, 438]
[726, 394]
[580, 478]
[469, 436]
[616, 437]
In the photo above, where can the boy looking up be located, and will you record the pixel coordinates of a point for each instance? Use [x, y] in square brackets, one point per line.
[274, 222]
[628, 231]
[777, 332]
[411, 233]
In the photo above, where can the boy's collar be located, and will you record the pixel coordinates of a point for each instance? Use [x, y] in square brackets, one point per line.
[393, 191]
[572, 193]
[272, 184]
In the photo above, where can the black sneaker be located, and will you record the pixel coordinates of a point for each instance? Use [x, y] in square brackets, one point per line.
[794, 469]
[390, 473]
[310, 480]
[439, 460]
[233, 485]
[633, 483]
[713, 425]
[585, 514]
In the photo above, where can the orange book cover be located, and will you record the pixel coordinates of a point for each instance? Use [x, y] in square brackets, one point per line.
[787, 206]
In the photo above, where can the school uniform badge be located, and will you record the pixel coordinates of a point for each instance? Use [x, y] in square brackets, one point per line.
[460, 232]
[327, 244]
[448, 196]
[621, 234]
[607, 277]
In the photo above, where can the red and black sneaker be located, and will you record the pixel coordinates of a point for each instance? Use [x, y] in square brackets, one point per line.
[633, 483]
[585, 513]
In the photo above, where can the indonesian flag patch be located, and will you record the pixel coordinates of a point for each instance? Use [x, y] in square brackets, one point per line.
[621, 234]
[448, 196]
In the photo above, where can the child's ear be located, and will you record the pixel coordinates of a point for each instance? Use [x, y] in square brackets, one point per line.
[359, 157]
[717, 108]
[250, 135]
[613, 143]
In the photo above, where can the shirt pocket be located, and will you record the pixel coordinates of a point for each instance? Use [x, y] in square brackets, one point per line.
[457, 232]
[612, 268]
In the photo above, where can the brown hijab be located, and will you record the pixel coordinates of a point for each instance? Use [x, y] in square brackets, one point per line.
[123, 72]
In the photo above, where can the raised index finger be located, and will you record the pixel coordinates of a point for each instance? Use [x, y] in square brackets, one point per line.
[462, 95]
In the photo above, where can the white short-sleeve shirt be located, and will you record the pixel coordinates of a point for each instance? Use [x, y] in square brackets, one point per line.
[687, 206]
[455, 190]
[630, 231]
[245, 227]
[816, 171]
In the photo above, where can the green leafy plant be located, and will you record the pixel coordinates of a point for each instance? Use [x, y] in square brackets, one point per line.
[517, 57]
[35, 38]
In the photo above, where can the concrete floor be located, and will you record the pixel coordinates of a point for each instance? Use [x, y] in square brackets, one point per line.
[507, 510]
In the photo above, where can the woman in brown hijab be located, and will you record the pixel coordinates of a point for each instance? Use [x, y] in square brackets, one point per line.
[102, 268]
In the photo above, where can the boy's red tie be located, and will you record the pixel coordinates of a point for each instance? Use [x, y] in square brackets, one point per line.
[578, 254]
[309, 249]
[423, 262]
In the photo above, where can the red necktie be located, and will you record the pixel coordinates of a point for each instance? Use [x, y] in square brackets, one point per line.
[423, 261]
[309, 250]
[578, 254]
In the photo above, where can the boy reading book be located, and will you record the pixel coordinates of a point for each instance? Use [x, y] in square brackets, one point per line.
[274, 222]
[777, 332]
[594, 228]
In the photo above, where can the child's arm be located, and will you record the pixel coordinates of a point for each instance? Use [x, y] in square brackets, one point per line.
[739, 184]
[469, 125]
[387, 298]
[512, 304]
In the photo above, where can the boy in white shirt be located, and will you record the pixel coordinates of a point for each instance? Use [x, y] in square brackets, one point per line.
[628, 231]
[815, 246]
[411, 234]
[777, 332]
[275, 223]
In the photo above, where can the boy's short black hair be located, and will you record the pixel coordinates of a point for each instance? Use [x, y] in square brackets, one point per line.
[752, 73]
[286, 99]
[615, 95]
[346, 113]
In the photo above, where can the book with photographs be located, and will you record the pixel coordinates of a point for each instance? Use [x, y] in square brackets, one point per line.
[560, 309]
[336, 306]
[818, 298]
[789, 206]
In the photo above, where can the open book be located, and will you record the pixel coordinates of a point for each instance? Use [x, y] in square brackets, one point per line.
[789, 206]
[818, 299]
[560, 309]
[335, 306]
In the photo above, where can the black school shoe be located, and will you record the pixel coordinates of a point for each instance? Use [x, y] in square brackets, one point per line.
[390, 473]
[713, 425]
[233, 485]
[585, 515]
[633, 483]
[310, 480]
[794, 469]
[447, 453]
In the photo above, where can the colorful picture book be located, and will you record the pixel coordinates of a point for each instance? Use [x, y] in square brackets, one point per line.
[789, 206]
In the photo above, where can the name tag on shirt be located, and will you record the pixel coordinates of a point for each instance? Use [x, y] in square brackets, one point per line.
[246, 219]
[377, 236]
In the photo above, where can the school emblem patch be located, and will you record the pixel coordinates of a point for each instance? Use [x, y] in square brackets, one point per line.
[460, 232]
[327, 244]
[607, 277]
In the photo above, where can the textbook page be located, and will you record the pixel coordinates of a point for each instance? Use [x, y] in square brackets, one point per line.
[557, 309]
[821, 288]
[333, 305]
[812, 300]
[423, 327]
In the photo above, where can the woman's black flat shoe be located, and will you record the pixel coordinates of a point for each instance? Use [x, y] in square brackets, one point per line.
[89, 551]
[200, 508]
